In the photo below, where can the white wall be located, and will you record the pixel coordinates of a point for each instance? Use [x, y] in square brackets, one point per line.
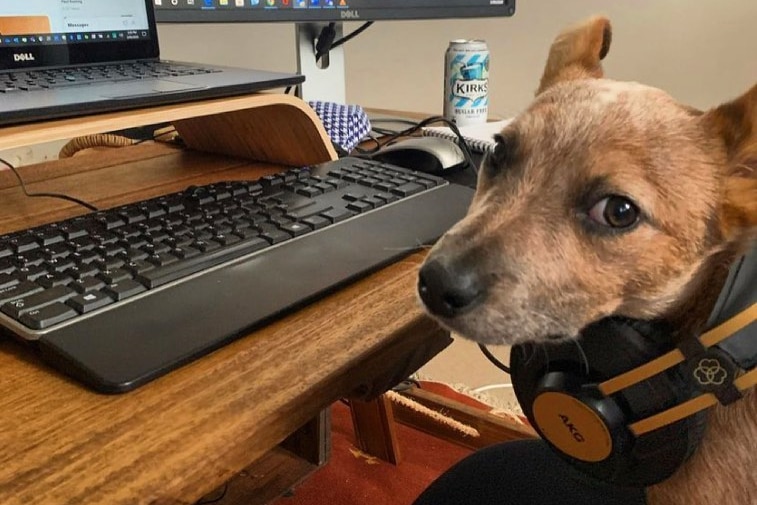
[701, 51]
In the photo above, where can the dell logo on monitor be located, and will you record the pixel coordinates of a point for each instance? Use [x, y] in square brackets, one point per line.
[23, 57]
[353, 14]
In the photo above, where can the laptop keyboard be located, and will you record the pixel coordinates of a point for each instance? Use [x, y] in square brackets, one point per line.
[118, 297]
[19, 81]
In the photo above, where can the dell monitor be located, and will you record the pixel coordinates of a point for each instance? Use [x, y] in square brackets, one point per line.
[325, 75]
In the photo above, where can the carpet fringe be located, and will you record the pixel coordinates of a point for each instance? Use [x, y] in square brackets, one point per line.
[436, 416]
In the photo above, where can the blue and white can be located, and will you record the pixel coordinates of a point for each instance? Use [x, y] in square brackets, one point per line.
[466, 82]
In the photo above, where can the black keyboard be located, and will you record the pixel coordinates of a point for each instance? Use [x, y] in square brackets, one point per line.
[30, 80]
[118, 297]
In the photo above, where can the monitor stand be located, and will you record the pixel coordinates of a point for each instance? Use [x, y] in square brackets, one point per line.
[324, 80]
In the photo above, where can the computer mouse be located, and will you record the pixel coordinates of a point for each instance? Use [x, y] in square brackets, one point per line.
[432, 155]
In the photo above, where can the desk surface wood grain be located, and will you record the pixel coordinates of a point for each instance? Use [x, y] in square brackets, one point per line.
[179, 437]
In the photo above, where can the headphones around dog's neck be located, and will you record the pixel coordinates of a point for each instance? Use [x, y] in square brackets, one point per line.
[625, 406]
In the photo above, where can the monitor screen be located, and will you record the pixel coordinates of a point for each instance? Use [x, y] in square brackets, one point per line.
[325, 10]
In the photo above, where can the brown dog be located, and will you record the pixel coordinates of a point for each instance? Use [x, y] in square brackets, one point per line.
[609, 198]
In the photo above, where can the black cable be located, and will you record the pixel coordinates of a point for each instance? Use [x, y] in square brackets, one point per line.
[493, 359]
[352, 35]
[326, 40]
[48, 195]
[417, 126]
[393, 120]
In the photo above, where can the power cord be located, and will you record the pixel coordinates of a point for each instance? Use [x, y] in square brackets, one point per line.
[48, 195]
[326, 42]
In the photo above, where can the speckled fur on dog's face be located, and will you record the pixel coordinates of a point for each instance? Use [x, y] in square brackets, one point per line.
[535, 223]
[537, 240]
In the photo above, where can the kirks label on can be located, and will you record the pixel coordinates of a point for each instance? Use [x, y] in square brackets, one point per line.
[466, 82]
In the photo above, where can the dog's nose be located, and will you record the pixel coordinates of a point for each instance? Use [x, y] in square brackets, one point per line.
[447, 290]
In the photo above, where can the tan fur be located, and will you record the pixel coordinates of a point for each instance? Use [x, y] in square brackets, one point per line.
[549, 270]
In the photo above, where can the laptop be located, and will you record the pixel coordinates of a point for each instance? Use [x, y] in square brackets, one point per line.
[63, 58]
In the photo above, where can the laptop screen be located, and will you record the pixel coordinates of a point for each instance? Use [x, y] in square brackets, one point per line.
[42, 33]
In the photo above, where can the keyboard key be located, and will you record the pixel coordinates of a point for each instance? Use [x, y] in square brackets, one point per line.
[23, 244]
[226, 239]
[53, 280]
[317, 222]
[411, 188]
[359, 206]
[337, 215]
[50, 236]
[7, 280]
[90, 301]
[71, 232]
[296, 229]
[85, 257]
[80, 271]
[375, 202]
[48, 316]
[275, 236]
[163, 259]
[111, 221]
[246, 232]
[114, 276]
[206, 245]
[7, 266]
[109, 264]
[124, 289]
[59, 264]
[136, 267]
[38, 300]
[387, 197]
[24, 288]
[185, 252]
[32, 273]
[57, 251]
[87, 284]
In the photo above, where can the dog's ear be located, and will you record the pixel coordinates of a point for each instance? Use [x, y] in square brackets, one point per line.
[735, 123]
[576, 53]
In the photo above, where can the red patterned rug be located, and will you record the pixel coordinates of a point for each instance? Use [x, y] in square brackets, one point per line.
[352, 477]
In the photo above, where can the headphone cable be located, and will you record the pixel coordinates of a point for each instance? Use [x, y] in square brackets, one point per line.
[494, 359]
[49, 195]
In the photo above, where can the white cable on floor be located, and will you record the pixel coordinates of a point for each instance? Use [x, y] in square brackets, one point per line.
[489, 387]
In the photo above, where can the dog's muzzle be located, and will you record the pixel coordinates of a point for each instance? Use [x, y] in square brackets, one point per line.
[448, 288]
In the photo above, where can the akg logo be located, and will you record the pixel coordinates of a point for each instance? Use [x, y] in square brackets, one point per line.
[353, 14]
[572, 428]
[23, 57]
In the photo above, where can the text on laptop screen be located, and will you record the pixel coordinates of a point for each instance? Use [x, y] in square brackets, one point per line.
[31, 22]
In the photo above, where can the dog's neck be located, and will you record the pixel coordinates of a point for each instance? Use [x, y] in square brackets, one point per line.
[720, 471]
[689, 317]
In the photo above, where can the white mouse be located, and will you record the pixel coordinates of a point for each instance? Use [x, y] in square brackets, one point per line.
[432, 155]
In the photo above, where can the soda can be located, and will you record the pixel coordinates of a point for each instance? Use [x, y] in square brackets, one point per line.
[466, 82]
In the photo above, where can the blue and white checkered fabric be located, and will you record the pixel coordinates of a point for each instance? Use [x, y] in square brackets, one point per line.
[347, 125]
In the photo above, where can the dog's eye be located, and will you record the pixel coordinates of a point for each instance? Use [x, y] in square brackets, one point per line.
[615, 211]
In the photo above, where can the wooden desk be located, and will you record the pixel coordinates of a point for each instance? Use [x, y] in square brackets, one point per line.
[181, 436]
